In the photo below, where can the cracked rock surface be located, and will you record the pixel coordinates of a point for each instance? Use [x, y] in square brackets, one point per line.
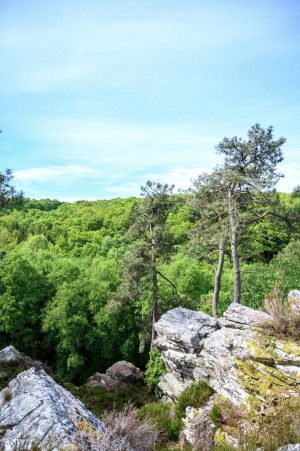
[34, 409]
[234, 355]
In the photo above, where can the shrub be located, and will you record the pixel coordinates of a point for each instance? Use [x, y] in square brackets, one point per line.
[278, 427]
[98, 400]
[168, 418]
[216, 414]
[141, 433]
[194, 396]
[125, 431]
[154, 368]
[162, 415]
[7, 395]
[285, 320]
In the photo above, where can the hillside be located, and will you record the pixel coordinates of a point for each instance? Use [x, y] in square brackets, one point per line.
[62, 265]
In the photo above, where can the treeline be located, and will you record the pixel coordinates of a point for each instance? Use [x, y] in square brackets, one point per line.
[81, 283]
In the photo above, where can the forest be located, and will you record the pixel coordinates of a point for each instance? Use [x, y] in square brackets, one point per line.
[81, 283]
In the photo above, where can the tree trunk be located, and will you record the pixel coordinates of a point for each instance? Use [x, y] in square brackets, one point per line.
[218, 280]
[154, 288]
[236, 267]
[154, 306]
[234, 252]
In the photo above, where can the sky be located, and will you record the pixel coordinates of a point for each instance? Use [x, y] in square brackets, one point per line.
[97, 97]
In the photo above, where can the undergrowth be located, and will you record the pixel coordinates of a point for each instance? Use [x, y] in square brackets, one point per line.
[285, 318]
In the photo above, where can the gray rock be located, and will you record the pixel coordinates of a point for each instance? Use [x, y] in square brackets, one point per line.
[125, 372]
[229, 355]
[36, 410]
[100, 380]
[294, 300]
[199, 430]
[10, 354]
[118, 375]
[185, 329]
[295, 447]
[242, 317]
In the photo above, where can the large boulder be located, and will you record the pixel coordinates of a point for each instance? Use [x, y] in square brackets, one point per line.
[234, 355]
[36, 411]
[10, 354]
[118, 375]
[125, 372]
[250, 370]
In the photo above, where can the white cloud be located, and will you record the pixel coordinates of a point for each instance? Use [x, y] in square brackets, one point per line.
[127, 146]
[44, 174]
[181, 177]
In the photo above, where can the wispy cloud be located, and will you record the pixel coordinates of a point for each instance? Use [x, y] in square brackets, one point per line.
[132, 145]
[181, 177]
[44, 174]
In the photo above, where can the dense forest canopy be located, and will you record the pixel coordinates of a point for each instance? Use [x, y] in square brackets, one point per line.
[62, 265]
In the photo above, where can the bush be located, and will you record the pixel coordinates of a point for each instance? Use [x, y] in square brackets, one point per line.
[285, 320]
[216, 415]
[98, 400]
[7, 395]
[140, 433]
[194, 396]
[155, 368]
[162, 415]
[125, 431]
[278, 427]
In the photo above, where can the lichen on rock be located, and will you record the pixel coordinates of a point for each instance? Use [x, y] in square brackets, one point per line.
[236, 356]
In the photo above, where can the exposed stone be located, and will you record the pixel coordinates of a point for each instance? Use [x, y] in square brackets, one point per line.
[125, 372]
[235, 356]
[199, 430]
[243, 317]
[118, 375]
[295, 447]
[10, 354]
[184, 329]
[294, 300]
[102, 381]
[35, 410]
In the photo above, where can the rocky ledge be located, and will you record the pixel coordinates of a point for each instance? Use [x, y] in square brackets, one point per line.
[254, 374]
[36, 411]
[233, 355]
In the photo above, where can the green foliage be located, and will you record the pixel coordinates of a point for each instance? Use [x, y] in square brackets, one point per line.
[163, 417]
[154, 368]
[62, 266]
[99, 401]
[216, 414]
[168, 417]
[194, 396]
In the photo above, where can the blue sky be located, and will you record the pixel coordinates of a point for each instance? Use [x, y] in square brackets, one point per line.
[98, 96]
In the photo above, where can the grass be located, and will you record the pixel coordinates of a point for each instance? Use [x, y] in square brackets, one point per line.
[98, 400]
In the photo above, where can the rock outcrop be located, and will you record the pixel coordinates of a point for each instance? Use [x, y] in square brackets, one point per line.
[251, 371]
[10, 354]
[236, 358]
[118, 375]
[35, 410]
[199, 430]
